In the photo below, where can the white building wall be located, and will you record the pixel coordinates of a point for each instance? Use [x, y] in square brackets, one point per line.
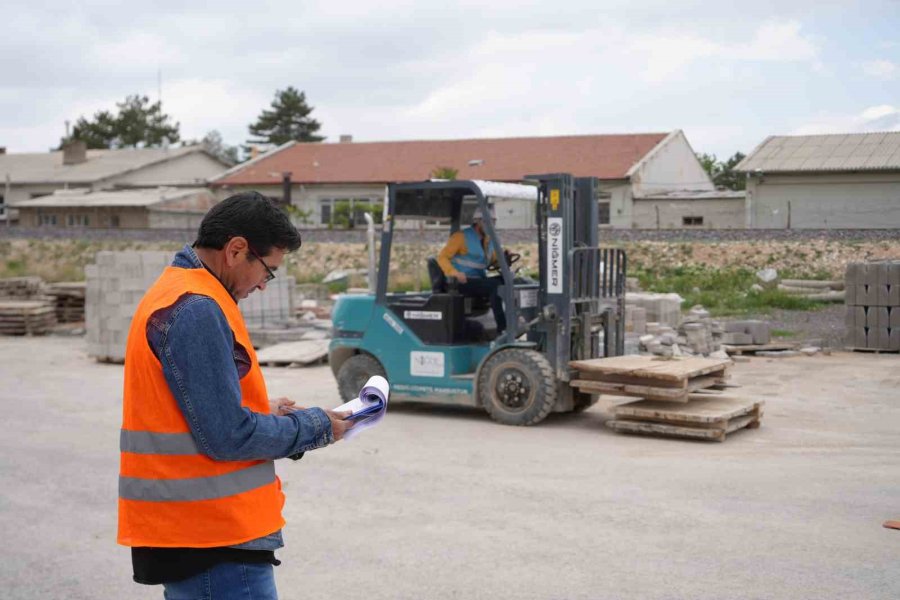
[824, 201]
[719, 213]
[671, 166]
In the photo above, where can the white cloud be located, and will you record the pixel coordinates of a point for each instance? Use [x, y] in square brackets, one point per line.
[777, 42]
[883, 117]
[882, 69]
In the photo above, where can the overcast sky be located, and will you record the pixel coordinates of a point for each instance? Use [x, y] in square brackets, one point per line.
[728, 74]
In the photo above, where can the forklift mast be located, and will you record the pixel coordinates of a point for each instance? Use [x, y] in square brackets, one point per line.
[581, 284]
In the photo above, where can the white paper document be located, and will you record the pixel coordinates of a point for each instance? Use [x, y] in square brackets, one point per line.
[369, 407]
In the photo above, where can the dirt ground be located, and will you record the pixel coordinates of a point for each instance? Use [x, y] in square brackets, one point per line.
[440, 502]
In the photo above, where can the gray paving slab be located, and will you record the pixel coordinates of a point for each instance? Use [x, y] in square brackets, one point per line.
[439, 502]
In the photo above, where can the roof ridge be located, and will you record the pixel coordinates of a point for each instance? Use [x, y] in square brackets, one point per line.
[490, 139]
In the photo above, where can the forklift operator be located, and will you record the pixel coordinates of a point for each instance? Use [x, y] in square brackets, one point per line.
[466, 257]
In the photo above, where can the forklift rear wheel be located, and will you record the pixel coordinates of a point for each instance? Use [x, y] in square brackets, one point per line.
[517, 387]
[354, 374]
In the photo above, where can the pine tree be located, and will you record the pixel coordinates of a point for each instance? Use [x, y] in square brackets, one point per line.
[137, 124]
[288, 119]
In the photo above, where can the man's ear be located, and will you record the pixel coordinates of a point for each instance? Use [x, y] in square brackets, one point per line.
[235, 250]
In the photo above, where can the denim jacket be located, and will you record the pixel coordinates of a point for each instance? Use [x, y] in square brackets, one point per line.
[203, 365]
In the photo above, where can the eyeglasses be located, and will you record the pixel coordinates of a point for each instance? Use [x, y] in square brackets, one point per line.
[270, 274]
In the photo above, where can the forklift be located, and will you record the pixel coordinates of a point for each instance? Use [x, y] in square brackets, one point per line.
[433, 346]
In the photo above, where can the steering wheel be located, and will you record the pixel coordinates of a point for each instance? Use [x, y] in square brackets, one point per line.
[511, 259]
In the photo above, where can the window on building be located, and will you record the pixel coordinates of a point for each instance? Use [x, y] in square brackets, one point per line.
[325, 211]
[603, 207]
[114, 220]
[603, 212]
[691, 221]
[76, 220]
[2, 205]
[44, 219]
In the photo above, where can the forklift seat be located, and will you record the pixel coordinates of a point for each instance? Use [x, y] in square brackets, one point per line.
[475, 306]
[436, 274]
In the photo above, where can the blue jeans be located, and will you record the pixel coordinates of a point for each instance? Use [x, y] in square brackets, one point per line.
[226, 581]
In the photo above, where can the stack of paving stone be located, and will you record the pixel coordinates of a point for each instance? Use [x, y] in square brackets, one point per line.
[635, 319]
[873, 305]
[26, 317]
[275, 308]
[20, 287]
[23, 308]
[697, 335]
[664, 309]
[69, 299]
[115, 284]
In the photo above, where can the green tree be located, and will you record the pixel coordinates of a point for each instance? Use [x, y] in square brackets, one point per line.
[444, 173]
[729, 178]
[723, 174]
[288, 119]
[344, 217]
[215, 145]
[137, 124]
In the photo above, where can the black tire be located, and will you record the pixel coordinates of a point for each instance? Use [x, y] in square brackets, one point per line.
[517, 387]
[354, 374]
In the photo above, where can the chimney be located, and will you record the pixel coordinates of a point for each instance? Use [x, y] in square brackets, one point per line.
[286, 188]
[346, 138]
[74, 153]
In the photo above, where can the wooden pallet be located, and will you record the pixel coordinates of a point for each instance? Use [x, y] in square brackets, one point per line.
[24, 317]
[651, 378]
[69, 298]
[20, 287]
[754, 348]
[705, 417]
[305, 352]
[872, 350]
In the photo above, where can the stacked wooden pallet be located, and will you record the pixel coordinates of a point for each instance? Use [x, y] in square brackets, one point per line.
[26, 317]
[20, 287]
[69, 300]
[677, 397]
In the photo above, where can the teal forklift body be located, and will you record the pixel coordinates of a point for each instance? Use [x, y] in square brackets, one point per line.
[417, 371]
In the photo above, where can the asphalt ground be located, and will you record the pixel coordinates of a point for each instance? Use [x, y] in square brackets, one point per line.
[440, 502]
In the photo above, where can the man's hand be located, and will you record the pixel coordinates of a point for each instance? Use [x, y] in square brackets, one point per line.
[283, 406]
[339, 425]
[461, 277]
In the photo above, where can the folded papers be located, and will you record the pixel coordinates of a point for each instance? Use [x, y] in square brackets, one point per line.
[369, 407]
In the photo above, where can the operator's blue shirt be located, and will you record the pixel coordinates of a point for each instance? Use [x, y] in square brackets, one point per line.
[203, 365]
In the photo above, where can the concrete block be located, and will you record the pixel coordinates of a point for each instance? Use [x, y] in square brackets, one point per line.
[893, 276]
[850, 276]
[737, 338]
[894, 317]
[857, 337]
[893, 295]
[882, 317]
[882, 338]
[894, 339]
[868, 274]
[883, 293]
[866, 295]
[871, 317]
[850, 295]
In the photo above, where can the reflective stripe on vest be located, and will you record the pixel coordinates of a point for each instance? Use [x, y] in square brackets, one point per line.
[198, 488]
[149, 442]
[474, 262]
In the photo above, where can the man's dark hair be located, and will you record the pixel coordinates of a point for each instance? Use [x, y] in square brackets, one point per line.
[252, 216]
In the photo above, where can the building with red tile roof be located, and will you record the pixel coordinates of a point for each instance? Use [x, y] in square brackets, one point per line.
[323, 174]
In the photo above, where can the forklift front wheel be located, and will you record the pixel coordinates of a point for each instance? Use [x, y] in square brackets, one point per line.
[354, 374]
[517, 387]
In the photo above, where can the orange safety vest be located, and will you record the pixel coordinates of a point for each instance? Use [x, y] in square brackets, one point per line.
[171, 494]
